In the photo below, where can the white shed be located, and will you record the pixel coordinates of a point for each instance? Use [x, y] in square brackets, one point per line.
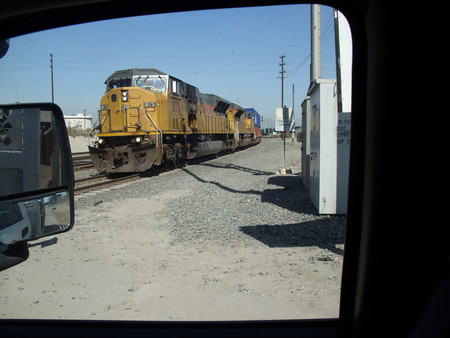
[79, 121]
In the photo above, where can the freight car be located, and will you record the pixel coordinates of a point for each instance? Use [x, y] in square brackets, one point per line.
[149, 118]
[257, 123]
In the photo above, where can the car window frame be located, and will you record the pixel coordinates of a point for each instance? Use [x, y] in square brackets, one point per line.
[85, 12]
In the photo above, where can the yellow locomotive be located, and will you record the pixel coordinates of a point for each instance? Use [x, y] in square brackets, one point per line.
[149, 118]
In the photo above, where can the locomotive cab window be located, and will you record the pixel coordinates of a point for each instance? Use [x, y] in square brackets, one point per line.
[118, 83]
[148, 82]
[175, 87]
[183, 209]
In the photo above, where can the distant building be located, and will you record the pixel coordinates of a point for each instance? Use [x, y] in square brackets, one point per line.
[79, 121]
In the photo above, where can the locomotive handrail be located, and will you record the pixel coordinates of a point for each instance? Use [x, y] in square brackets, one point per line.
[150, 119]
[200, 120]
[126, 116]
[232, 126]
[106, 116]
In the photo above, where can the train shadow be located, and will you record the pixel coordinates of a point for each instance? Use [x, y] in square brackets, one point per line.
[232, 166]
[201, 161]
[289, 194]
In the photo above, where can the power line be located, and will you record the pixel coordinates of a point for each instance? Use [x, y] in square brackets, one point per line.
[329, 27]
[300, 65]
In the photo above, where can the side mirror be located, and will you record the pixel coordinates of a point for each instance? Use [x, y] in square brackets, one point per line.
[36, 177]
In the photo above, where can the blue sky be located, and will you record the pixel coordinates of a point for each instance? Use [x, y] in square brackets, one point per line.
[233, 53]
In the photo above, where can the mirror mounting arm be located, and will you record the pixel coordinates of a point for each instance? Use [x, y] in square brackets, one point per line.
[13, 254]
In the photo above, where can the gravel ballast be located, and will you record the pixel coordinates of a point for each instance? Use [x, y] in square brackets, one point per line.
[224, 239]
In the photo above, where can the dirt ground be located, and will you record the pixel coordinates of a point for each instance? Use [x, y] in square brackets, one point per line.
[130, 272]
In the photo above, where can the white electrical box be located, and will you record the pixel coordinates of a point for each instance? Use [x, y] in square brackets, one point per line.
[344, 73]
[323, 145]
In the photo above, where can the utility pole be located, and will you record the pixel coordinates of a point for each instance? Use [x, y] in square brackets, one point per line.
[51, 74]
[282, 64]
[316, 43]
[292, 115]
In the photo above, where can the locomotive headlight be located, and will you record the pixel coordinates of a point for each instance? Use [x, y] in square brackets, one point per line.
[125, 96]
[138, 139]
[101, 141]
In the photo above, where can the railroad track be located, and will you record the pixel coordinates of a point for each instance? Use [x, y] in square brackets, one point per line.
[81, 161]
[80, 156]
[82, 166]
[100, 181]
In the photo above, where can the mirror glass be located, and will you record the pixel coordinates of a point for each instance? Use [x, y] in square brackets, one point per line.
[35, 173]
[31, 155]
[34, 218]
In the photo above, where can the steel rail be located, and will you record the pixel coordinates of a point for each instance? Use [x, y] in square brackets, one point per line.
[102, 183]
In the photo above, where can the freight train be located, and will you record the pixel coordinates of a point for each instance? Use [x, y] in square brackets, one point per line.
[149, 118]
